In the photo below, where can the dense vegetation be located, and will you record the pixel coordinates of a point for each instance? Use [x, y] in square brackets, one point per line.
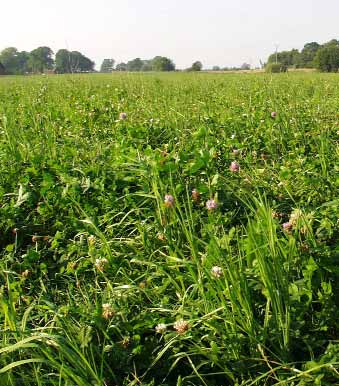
[175, 229]
[41, 60]
[324, 57]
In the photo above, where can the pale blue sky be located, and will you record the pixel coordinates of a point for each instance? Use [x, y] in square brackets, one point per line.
[217, 32]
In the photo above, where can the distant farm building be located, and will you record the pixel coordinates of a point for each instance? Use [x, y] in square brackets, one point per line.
[2, 69]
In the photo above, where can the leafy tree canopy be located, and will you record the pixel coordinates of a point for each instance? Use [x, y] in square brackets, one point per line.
[107, 65]
[2, 69]
[196, 66]
[41, 59]
[327, 58]
[161, 63]
[134, 65]
[72, 62]
[121, 67]
[13, 61]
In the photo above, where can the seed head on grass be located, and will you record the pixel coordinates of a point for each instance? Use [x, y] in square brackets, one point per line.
[276, 214]
[161, 237]
[100, 264]
[25, 273]
[91, 240]
[122, 116]
[125, 342]
[195, 196]
[169, 201]
[295, 216]
[107, 311]
[142, 285]
[181, 326]
[211, 205]
[234, 167]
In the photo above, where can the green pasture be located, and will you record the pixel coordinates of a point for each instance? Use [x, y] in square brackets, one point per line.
[105, 282]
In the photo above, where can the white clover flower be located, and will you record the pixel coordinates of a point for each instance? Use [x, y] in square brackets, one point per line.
[160, 328]
[216, 272]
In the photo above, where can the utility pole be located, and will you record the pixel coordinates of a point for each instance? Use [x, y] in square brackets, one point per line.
[276, 52]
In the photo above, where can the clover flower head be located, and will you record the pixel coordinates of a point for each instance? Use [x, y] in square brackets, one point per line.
[216, 272]
[195, 195]
[234, 167]
[181, 326]
[287, 227]
[100, 264]
[295, 216]
[160, 328]
[169, 200]
[211, 204]
[107, 311]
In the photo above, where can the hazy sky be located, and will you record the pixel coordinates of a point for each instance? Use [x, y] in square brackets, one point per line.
[217, 32]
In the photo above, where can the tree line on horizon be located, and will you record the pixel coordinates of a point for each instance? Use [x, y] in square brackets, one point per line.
[324, 57]
[42, 59]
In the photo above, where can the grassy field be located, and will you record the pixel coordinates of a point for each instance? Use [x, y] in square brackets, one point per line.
[192, 240]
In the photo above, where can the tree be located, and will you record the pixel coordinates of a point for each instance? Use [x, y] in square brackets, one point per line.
[286, 58]
[308, 54]
[15, 62]
[147, 65]
[331, 43]
[41, 59]
[161, 63]
[8, 59]
[121, 67]
[216, 68]
[245, 66]
[80, 63]
[134, 65]
[327, 58]
[63, 63]
[196, 66]
[2, 69]
[72, 62]
[22, 62]
[107, 65]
